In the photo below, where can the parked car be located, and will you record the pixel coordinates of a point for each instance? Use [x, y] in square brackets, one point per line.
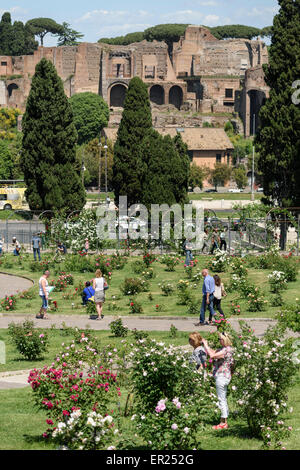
[235, 190]
[260, 190]
[211, 191]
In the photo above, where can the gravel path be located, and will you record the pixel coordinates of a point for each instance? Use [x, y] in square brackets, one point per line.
[11, 285]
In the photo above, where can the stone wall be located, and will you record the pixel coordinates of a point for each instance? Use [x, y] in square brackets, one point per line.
[203, 68]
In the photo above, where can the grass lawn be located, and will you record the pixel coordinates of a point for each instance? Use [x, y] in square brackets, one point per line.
[14, 360]
[95, 196]
[22, 424]
[225, 196]
[115, 298]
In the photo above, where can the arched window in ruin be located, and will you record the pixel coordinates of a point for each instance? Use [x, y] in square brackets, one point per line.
[176, 96]
[11, 88]
[157, 94]
[117, 95]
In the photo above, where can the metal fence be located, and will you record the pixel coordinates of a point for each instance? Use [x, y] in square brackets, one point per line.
[239, 236]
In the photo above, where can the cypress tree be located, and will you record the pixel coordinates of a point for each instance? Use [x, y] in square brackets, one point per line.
[278, 140]
[181, 168]
[49, 145]
[159, 154]
[136, 123]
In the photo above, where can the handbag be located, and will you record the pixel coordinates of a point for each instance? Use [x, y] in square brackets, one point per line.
[224, 293]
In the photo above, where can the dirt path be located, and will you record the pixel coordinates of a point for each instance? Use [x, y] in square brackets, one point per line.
[11, 285]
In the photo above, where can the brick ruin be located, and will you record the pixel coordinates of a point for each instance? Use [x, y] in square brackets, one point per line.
[203, 75]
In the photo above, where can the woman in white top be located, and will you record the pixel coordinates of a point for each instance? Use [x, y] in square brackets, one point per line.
[43, 291]
[218, 294]
[100, 286]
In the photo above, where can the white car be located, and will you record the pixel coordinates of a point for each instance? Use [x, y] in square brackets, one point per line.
[235, 190]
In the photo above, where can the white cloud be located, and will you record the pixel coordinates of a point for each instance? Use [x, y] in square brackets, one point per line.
[184, 16]
[211, 20]
[266, 11]
[121, 30]
[207, 3]
[112, 15]
[16, 11]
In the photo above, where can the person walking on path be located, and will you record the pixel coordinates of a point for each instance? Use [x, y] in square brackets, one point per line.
[218, 294]
[36, 245]
[99, 286]
[222, 374]
[44, 294]
[208, 290]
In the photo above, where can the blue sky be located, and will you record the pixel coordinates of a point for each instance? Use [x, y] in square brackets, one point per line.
[98, 18]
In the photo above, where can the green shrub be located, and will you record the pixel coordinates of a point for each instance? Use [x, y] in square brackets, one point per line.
[118, 329]
[290, 316]
[28, 341]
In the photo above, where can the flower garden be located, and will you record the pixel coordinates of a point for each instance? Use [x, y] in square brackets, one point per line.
[123, 389]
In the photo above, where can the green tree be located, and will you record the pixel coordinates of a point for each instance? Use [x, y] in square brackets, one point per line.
[69, 37]
[136, 123]
[266, 32]
[180, 171]
[89, 154]
[235, 31]
[169, 33]
[240, 177]
[49, 145]
[6, 34]
[124, 40]
[197, 175]
[42, 26]
[220, 175]
[159, 155]
[278, 139]
[6, 161]
[91, 114]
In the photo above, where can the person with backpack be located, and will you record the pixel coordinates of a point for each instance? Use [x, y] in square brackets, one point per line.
[222, 372]
[88, 293]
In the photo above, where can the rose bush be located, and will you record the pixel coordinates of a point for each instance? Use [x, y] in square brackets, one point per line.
[29, 342]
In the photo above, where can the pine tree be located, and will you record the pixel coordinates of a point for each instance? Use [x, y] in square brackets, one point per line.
[278, 140]
[136, 123]
[49, 145]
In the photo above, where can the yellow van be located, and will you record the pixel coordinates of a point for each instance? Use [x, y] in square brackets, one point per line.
[11, 198]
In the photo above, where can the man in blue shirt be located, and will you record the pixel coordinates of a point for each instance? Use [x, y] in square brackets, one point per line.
[208, 290]
[36, 245]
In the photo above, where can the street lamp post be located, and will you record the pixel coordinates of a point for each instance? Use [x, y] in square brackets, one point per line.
[106, 147]
[82, 169]
[253, 154]
[99, 177]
